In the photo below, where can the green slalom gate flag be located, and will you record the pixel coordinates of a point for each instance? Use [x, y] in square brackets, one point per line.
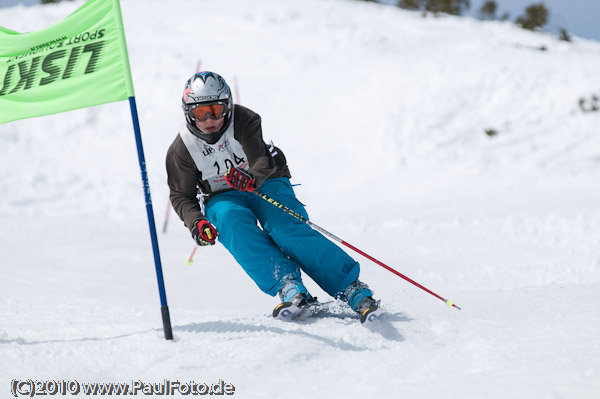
[79, 62]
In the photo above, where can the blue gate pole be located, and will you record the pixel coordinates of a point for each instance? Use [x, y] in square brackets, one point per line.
[164, 308]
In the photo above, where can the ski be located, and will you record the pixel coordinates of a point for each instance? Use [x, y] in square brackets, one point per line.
[289, 312]
[370, 316]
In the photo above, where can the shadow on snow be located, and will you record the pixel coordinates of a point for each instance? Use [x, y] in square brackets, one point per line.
[384, 327]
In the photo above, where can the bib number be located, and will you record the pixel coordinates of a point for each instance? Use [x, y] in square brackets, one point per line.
[217, 180]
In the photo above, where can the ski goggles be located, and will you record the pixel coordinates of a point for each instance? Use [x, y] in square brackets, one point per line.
[201, 112]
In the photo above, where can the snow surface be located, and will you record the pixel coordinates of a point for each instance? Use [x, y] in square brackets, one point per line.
[381, 114]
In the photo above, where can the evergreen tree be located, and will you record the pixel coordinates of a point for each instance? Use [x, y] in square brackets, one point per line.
[564, 35]
[453, 7]
[488, 10]
[410, 4]
[536, 16]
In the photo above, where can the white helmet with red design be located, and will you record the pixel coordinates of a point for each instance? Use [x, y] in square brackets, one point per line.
[206, 94]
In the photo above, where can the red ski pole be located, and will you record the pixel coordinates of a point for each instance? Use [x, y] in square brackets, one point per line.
[335, 238]
[236, 90]
[190, 260]
[167, 213]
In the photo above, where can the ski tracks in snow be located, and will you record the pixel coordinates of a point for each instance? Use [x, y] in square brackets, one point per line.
[334, 330]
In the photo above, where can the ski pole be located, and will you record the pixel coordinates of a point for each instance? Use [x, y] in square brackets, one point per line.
[335, 238]
[167, 213]
[236, 90]
[190, 260]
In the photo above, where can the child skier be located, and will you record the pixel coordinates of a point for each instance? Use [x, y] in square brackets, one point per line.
[220, 155]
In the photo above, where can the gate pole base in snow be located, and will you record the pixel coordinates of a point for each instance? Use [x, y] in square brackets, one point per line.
[166, 322]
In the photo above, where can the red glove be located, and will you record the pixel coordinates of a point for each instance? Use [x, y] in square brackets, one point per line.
[240, 179]
[204, 233]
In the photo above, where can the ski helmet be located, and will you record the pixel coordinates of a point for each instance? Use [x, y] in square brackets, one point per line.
[207, 89]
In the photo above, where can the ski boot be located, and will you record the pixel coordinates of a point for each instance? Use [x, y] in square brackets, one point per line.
[360, 298]
[295, 300]
[369, 310]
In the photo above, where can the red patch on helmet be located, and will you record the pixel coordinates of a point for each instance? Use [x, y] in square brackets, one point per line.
[186, 92]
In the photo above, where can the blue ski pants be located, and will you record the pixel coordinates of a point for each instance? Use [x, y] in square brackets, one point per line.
[284, 246]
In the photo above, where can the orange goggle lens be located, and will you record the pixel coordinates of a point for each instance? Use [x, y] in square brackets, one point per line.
[203, 112]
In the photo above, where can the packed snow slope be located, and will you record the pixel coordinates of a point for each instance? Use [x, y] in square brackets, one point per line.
[382, 116]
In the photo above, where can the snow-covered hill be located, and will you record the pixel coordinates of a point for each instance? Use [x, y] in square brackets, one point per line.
[382, 116]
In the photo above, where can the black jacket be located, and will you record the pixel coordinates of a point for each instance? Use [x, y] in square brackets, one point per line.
[186, 182]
